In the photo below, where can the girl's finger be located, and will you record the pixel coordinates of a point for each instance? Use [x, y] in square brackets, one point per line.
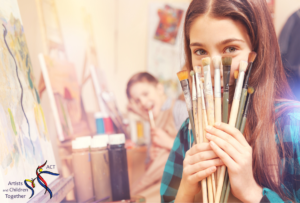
[227, 160]
[191, 169]
[232, 131]
[198, 148]
[201, 156]
[227, 147]
[201, 175]
[226, 137]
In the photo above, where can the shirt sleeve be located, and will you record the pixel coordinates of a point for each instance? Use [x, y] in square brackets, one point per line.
[290, 126]
[174, 166]
[180, 113]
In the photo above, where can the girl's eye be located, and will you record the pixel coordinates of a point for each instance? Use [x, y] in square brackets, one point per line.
[201, 52]
[230, 49]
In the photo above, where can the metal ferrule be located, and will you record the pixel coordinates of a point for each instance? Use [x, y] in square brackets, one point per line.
[198, 77]
[248, 75]
[194, 91]
[207, 80]
[217, 85]
[226, 78]
[239, 86]
[186, 93]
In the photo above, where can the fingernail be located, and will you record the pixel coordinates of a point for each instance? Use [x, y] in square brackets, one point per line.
[221, 162]
[212, 144]
[208, 135]
[208, 127]
[213, 169]
[217, 124]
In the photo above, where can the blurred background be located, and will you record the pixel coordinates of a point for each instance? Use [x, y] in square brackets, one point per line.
[114, 40]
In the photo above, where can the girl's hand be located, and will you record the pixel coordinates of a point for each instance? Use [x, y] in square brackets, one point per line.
[233, 149]
[161, 139]
[200, 162]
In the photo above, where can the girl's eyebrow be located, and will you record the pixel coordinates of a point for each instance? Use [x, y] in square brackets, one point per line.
[198, 44]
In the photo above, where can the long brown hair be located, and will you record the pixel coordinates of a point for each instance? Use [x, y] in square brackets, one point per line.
[267, 77]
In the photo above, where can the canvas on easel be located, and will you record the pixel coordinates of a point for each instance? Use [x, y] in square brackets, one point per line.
[24, 138]
[65, 98]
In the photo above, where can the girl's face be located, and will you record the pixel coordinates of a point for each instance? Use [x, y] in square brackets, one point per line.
[211, 37]
[147, 96]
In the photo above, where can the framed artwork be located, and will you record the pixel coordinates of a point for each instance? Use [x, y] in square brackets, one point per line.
[165, 55]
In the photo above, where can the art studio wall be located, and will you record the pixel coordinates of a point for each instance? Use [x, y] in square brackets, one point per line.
[121, 33]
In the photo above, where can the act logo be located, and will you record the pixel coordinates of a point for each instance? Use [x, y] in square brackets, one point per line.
[40, 180]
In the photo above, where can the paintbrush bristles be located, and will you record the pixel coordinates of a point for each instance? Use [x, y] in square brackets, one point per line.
[226, 61]
[217, 62]
[197, 69]
[192, 73]
[252, 57]
[236, 74]
[250, 90]
[206, 61]
[183, 75]
[243, 66]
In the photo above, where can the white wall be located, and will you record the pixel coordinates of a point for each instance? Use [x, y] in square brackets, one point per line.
[283, 10]
[120, 56]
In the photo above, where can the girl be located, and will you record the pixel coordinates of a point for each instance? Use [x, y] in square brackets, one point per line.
[145, 92]
[263, 164]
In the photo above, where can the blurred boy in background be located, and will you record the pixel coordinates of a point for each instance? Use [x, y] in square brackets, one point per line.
[144, 93]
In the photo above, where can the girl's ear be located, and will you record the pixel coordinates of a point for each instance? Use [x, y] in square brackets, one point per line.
[160, 89]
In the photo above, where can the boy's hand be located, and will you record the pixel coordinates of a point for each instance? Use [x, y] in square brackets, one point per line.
[161, 138]
[154, 152]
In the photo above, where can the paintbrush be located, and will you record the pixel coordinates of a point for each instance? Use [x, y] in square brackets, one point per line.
[234, 110]
[226, 62]
[251, 59]
[151, 117]
[209, 99]
[236, 75]
[195, 110]
[217, 87]
[237, 93]
[244, 118]
[197, 70]
[183, 78]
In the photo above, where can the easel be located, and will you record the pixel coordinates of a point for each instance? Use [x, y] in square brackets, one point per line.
[54, 46]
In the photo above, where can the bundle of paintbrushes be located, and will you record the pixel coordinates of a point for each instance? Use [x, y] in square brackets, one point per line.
[205, 107]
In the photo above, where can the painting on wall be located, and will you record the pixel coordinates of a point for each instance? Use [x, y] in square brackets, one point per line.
[169, 22]
[165, 54]
[24, 139]
[65, 98]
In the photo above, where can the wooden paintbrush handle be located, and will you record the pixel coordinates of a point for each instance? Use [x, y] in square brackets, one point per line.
[195, 112]
[204, 190]
[218, 118]
[218, 110]
[220, 183]
[200, 120]
[210, 189]
[225, 107]
[242, 128]
[210, 109]
[241, 108]
[234, 112]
